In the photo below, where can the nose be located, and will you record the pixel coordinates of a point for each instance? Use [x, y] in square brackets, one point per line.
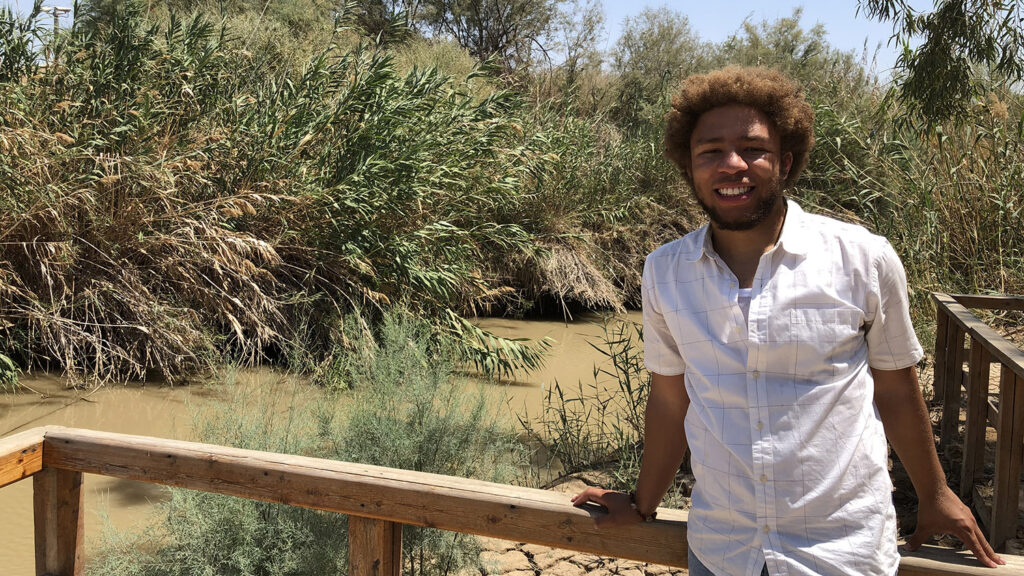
[732, 162]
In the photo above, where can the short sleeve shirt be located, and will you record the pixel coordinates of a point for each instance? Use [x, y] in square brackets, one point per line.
[786, 444]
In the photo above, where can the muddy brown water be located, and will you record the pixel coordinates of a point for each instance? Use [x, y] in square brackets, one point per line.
[168, 412]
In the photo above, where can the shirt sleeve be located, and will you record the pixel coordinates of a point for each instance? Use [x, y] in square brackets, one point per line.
[892, 343]
[661, 353]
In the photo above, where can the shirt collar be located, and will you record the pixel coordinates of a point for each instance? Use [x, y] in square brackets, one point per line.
[794, 230]
[792, 239]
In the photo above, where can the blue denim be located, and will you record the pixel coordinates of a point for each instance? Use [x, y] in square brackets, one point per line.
[699, 569]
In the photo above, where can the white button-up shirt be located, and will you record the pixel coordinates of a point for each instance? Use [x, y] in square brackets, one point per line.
[786, 444]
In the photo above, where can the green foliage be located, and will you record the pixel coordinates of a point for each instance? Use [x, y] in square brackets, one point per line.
[163, 209]
[19, 57]
[597, 425]
[656, 50]
[967, 45]
[8, 373]
[409, 413]
[507, 31]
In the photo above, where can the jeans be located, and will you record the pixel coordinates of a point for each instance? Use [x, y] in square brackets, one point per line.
[699, 569]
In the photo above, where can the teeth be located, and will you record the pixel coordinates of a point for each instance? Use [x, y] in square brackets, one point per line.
[733, 191]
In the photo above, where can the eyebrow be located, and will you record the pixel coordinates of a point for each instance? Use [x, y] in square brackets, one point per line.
[718, 139]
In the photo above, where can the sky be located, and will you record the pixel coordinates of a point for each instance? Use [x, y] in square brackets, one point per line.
[715, 21]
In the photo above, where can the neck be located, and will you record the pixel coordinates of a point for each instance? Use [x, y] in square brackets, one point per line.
[742, 249]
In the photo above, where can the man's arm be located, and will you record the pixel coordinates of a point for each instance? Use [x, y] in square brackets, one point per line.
[908, 428]
[664, 447]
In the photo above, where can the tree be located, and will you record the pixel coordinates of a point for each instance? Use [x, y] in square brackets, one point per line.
[507, 30]
[579, 26]
[966, 44]
[389, 19]
[802, 54]
[656, 50]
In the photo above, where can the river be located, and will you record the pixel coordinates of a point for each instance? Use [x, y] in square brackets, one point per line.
[167, 412]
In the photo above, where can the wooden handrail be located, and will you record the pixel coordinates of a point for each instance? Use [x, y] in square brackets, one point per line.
[1001, 349]
[21, 455]
[383, 495]
[986, 302]
[954, 323]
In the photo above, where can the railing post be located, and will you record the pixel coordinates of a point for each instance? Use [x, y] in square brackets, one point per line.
[973, 465]
[59, 533]
[939, 373]
[1005, 495]
[374, 547]
[951, 384]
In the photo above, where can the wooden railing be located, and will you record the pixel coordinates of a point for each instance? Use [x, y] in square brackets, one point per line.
[378, 500]
[1004, 411]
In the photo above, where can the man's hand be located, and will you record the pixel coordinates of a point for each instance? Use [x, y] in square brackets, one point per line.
[620, 509]
[905, 418]
[946, 514]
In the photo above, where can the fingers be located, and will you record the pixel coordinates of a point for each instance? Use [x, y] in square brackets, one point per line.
[970, 534]
[917, 538]
[589, 494]
[976, 542]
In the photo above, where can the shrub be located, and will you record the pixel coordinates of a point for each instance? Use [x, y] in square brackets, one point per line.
[408, 412]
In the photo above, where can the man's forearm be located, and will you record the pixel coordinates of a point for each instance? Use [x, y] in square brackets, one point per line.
[664, 440]
[908, 428]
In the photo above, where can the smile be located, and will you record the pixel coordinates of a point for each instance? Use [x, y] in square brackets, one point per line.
[734, 191]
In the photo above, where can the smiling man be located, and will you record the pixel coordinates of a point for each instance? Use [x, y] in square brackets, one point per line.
[781, 351]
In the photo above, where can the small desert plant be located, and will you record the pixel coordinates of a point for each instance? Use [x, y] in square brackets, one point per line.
[408, 411]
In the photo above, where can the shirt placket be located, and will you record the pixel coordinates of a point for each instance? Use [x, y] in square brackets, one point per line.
[759, 402]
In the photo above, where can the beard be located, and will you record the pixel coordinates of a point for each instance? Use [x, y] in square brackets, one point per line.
[758, 215]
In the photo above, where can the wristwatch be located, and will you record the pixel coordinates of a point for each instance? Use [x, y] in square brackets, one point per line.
[645, 517]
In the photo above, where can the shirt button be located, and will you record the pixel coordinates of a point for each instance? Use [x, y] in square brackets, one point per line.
[764, 478]
[756, 374]
[765, 529]
[760, 425]
[732, 284]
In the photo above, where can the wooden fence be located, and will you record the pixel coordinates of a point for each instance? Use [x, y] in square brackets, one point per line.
[1003, 410]
[378, 501]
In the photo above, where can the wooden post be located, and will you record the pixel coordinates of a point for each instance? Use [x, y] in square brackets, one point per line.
[939, 373]
[973, 465]
[951, 384]
[374, 547]
[1009, 447]
[59, 533]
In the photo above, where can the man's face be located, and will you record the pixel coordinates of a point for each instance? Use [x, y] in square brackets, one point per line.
[737, 166]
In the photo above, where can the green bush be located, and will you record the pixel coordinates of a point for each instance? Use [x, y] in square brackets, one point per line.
[408, 412]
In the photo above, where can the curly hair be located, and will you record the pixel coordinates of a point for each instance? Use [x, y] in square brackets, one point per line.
[766, 90]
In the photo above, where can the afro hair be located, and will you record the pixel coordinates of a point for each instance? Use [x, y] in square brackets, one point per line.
[763, 89]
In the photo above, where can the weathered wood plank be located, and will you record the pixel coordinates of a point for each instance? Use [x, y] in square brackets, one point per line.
[1000, 348]
[952, 380]
[941, 334]
[1005, 497]
[990, 302]
[457, 504]
[374, 547]
[487, 509]
[973, 465]
[21, 455]
[59, 528]
[938, 561]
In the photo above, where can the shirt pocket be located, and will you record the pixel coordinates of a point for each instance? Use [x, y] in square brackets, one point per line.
[818, 344]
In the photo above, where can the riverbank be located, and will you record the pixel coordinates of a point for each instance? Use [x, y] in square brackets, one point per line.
[170, 412]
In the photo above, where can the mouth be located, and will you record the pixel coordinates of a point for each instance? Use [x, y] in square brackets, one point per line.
[734, 191]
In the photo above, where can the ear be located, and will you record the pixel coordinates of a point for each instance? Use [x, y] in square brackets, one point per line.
[787, 163]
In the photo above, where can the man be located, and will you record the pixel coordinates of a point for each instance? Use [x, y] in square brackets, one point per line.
[781, 349]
